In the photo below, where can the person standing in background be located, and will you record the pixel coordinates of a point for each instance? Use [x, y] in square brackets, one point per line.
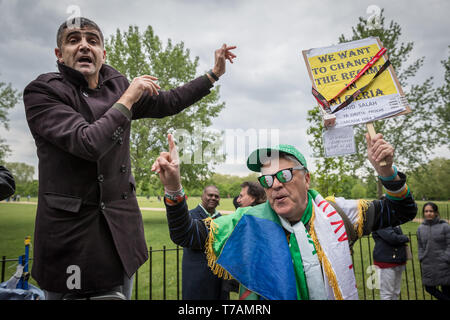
[198, 281]
[433, 237]
[389, 255]
[251, 194]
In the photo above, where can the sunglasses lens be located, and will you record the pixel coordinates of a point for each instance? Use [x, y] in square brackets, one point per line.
[284, 176]
[266, 181]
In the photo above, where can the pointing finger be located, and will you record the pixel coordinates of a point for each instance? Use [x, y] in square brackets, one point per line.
[172, 145]
[172, 148]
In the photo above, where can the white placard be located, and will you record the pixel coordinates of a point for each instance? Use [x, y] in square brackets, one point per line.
[339, 141]
[370, 110]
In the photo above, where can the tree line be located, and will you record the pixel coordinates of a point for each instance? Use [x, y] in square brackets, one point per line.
[429, 182]
[135, 52]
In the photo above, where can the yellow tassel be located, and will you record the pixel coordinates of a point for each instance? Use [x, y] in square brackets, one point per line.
[210, 255]
[363, 206]
[326, 265]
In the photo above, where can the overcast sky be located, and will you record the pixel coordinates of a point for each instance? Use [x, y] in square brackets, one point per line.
[267, 88]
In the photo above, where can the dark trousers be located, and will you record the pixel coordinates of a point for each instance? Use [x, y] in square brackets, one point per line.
[440, 295]
[126, 289]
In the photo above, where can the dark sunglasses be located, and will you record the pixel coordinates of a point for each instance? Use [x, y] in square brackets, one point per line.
[283, 176]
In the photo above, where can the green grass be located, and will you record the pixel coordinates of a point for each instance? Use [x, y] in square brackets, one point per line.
[17, 222]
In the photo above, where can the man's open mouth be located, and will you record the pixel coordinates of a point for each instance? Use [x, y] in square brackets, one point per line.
[85, 59]
[280, 198]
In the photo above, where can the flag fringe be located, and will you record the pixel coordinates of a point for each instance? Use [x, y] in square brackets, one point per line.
[211, 257]
[363, 206]
[326, 265]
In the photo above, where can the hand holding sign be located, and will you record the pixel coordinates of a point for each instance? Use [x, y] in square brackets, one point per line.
[379, 150]
[372, 134]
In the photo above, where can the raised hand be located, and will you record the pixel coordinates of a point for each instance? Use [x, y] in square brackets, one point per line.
[167, 165]
[221, 55]
[137, 87]
[377, 150]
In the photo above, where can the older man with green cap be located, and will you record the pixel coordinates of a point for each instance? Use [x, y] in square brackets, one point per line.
[296, 244]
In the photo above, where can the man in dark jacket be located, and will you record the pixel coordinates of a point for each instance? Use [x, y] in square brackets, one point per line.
[389, 255]
[199, 283]
[7, 184]
[89, 233]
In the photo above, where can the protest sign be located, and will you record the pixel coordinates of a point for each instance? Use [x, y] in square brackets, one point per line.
[332, 68]
[339, 141]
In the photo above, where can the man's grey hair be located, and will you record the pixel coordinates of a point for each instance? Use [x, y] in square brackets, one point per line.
[283, 155]
[290, 158]
[84, 23]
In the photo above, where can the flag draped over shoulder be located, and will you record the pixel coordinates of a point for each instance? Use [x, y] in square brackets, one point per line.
[250, 246]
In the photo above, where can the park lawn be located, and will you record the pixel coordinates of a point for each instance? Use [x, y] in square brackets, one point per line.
[17, 222]
[226, 204]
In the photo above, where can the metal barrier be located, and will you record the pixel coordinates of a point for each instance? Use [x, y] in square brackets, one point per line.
[412, 288]
[160, 277]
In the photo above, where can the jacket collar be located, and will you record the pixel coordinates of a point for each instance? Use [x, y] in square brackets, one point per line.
[433, 221]
[76, 77]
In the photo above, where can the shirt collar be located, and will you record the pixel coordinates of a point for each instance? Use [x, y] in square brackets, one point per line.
[209, 215]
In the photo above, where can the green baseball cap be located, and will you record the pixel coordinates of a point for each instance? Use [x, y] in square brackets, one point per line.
[259, 156]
